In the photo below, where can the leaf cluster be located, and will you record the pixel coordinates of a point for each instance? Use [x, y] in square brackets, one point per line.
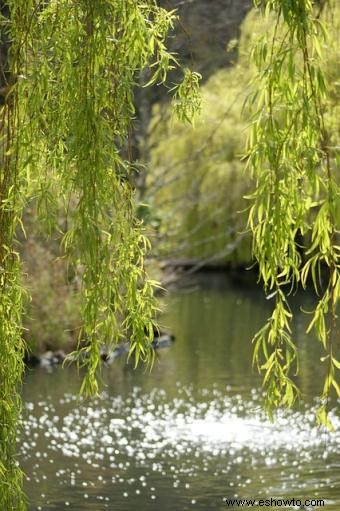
[292, 159]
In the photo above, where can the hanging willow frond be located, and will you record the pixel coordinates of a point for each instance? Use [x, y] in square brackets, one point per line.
[294, 167]
[67, 107]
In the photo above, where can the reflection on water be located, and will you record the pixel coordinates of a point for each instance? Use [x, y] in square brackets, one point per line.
[185, 436]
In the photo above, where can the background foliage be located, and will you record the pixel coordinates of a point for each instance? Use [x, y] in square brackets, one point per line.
[196, 182]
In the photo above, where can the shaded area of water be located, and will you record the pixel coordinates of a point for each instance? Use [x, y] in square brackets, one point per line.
[188, 434]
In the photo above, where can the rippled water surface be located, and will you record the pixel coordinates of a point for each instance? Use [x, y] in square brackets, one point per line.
[190, 433]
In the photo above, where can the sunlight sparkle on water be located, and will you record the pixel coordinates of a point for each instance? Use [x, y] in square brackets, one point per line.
[176, 438]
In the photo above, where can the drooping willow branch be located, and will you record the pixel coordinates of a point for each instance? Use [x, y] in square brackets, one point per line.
[73, 66]
[297, 193]
[13, 56]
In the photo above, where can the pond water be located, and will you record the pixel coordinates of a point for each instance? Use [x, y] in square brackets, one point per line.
[191, 433]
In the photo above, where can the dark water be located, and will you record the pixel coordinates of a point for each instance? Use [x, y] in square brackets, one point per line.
[190, 433]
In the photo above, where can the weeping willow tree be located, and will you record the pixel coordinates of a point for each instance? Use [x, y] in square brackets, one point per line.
[293, 156]
[69, 68]
[68, 72]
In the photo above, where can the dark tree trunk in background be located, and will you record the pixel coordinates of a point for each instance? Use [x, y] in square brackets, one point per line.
[5, 78]
[205, 27]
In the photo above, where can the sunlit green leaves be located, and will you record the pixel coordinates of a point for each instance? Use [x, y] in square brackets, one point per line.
[297, 190]
[84, 61]
[64, 138]
[12, 200]
[275, 355]
[187, 98]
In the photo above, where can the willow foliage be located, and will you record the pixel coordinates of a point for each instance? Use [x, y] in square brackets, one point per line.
[71, 68]
[196, 180]
[293, 157]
